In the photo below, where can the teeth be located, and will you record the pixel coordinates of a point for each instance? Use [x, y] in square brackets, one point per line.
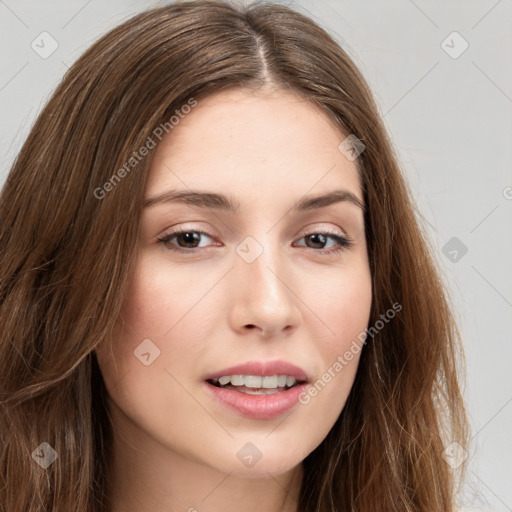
[261, 391]
[237, 380]
[269, 382]
[256, 381]
[253, 381]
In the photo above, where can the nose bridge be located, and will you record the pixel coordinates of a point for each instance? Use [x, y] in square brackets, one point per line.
[263, 298]
[261, 274]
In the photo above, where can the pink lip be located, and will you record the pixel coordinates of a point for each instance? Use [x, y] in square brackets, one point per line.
[259, 407]
[262, 368]
[263, 407]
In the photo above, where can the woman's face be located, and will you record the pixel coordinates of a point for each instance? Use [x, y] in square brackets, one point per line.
[260, 279]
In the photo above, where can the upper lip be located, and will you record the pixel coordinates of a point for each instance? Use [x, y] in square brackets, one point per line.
[261, 368]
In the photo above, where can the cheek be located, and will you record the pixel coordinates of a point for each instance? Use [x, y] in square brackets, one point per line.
[141, 318]
[343, 307]
[161, 297]
[163, 304]
[158, 314]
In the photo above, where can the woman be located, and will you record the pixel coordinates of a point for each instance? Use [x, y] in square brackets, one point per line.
[214, 292]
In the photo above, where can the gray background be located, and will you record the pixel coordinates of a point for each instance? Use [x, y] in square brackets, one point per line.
[450, 120]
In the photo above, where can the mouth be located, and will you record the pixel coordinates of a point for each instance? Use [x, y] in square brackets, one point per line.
[258, 390]
[256, 384]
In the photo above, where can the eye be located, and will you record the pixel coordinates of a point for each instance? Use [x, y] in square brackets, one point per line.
[321, 241]
[190, 240]
[184, 240]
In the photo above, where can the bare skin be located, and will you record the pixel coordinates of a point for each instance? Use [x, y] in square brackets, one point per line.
[206, 308]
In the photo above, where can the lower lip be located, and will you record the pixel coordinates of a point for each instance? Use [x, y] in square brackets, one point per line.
[260, 407]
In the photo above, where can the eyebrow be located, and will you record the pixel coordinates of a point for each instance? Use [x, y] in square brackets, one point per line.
[215, 201]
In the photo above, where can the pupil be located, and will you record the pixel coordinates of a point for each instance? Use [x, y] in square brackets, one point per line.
[189, 238]
[317, 239]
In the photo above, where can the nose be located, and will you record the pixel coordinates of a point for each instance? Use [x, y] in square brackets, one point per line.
[263, 298]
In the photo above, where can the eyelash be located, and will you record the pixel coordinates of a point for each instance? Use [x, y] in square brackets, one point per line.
[342, 241]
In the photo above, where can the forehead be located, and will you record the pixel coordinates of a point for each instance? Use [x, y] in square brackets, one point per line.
[248, 142]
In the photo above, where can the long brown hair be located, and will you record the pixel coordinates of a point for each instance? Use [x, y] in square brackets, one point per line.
[68, 242]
